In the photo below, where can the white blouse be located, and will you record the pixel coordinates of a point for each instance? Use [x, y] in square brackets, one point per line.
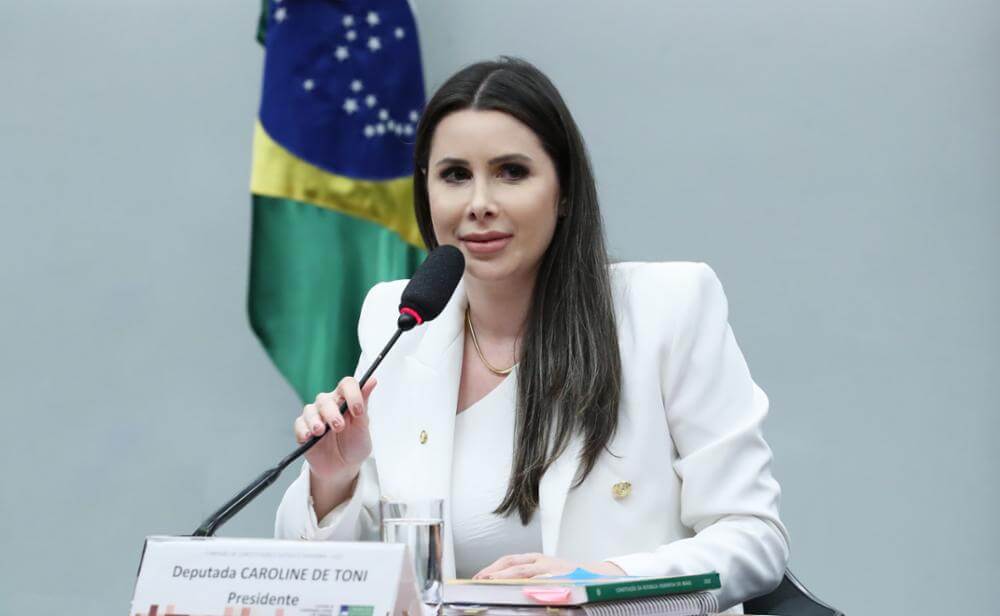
[484, 451]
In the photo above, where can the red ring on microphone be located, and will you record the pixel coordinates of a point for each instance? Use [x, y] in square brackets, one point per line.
[412, 313]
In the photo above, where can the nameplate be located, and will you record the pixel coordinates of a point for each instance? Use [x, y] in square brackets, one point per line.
[270, 577]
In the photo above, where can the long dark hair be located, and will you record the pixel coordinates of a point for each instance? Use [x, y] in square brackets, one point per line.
[569, 377]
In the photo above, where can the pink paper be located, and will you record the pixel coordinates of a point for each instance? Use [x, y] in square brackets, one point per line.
[548, 595]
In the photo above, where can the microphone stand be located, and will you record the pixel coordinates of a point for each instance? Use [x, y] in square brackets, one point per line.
[236, 504]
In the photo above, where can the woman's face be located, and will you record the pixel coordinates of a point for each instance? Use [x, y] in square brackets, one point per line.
[493, 193]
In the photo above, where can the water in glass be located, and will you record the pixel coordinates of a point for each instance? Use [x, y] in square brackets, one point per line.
[424, 538]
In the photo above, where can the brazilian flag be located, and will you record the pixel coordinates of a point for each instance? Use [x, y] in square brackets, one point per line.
[331, 181]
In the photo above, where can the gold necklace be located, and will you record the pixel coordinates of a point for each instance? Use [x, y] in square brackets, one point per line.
[475, 343]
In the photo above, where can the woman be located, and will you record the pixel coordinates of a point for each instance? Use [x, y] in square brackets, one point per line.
[572, 413]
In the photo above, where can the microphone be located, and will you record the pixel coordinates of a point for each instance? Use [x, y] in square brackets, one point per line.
[432, 285]
[423, 299]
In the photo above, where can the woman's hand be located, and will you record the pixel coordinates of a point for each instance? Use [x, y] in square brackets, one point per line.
[521, 566]
[343, 451]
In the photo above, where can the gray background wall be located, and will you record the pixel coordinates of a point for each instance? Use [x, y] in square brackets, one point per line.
[836, 163]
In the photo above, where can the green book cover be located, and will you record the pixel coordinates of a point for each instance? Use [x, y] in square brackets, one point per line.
[577, 588]
[635, 589]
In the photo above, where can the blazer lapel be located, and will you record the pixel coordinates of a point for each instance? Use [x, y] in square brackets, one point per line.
[428, 391]
[552, 492]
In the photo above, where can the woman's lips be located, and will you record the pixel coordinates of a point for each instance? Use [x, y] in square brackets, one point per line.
[486, 246]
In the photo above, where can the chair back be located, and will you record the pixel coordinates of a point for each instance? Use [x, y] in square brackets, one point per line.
[790, 598]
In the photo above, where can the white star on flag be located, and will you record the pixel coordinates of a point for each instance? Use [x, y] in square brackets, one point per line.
[380, 128]
[341, 53]
[308, 84]
[369, 131]
[356, 85]
[280, 14]
[383, 115]
[408, 130]
[350, 105]
[348, 21]
[414, 116]
[400, 33]
[391, 124]
[370, 100]
[372, 18]
[374, 44]
[351, 35]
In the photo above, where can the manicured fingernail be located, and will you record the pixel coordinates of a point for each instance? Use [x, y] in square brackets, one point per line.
[356, 410]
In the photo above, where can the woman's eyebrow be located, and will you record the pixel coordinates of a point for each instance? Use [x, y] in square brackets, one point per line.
[509, 158]
[503, 158]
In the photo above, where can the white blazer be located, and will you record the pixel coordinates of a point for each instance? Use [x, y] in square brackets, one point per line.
[701, 496]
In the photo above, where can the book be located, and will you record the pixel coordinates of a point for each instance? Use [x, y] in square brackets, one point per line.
[687, 604]
[578, 588]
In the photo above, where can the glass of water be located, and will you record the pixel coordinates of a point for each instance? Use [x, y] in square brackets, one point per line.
[418, 523]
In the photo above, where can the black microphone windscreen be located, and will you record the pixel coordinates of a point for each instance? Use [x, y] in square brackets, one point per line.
[434, 282]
